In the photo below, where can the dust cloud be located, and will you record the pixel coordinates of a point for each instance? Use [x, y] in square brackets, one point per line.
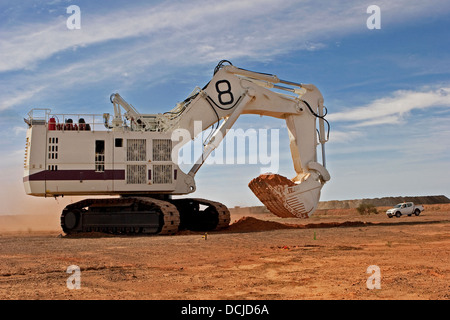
[21, 212]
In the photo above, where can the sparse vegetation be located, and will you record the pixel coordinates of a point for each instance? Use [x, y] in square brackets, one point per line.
[366, 209]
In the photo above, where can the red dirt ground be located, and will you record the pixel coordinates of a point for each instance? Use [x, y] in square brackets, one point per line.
[257, 257]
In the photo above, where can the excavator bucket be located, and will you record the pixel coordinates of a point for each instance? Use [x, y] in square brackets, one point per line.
[285, 198]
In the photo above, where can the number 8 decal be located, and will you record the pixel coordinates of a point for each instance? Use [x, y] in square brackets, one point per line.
[228, 99]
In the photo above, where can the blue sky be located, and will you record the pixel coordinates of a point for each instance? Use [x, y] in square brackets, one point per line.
[387, 90]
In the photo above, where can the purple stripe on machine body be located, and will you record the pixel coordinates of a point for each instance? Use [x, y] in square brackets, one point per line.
[60, 175]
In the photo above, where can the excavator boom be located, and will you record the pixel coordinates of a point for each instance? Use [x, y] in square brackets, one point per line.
[234, 91]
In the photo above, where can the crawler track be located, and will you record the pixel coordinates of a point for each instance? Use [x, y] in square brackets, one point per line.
[135, 215]
[223, 214]
[214, 216]
[121, 215]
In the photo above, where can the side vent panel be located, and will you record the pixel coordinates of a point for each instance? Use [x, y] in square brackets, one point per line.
[136, 174]
[162, 150]
[162, 173]
[136, 150]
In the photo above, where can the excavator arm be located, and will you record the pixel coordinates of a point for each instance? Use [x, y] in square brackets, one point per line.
[234, 91]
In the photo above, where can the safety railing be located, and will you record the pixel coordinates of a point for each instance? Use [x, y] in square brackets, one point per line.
[66, 122]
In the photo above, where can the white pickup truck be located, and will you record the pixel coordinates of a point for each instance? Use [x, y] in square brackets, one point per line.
[405, 208]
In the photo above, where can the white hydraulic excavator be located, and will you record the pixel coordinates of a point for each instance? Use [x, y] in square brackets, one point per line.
[131, 156]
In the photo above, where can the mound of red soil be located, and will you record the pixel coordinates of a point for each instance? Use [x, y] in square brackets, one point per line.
[249, 224]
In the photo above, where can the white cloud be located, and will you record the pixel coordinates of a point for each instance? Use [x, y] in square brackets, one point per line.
[344, 136]
[391, 109]
[29, 44]
[17, 96]
[151, 42]
[234, 28]
[379, 121]
[19, 131]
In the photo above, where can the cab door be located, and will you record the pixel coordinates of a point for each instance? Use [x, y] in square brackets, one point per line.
[409, 208]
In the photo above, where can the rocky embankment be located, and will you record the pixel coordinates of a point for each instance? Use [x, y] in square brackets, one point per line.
[382, 202]
[350, 204]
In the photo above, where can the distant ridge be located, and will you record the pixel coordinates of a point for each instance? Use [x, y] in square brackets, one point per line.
[350, 204]
[382, 202]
